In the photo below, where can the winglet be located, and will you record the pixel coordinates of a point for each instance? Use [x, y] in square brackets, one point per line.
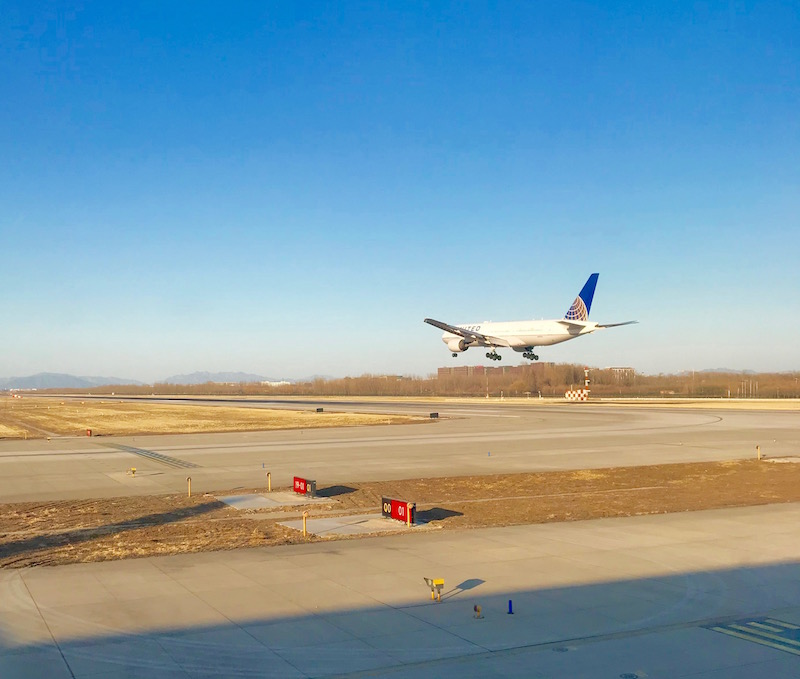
[579, 311]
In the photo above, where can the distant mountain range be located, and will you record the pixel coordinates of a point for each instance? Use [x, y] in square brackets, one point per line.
[60, 381]
[64, 381]
[203, 377]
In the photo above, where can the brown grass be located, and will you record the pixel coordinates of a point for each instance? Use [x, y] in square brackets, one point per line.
[41, 416]
[73, 531]
[9, 431]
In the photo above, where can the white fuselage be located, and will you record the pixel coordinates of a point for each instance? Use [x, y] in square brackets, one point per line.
[522, 335]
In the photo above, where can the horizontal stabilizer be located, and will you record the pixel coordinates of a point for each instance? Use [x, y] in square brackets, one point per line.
[615, 325]
[573, 325]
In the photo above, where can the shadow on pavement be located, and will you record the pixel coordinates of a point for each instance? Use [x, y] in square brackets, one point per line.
[658, 626]
[334, 491]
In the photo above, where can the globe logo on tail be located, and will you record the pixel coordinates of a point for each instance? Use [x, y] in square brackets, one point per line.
[577, 312]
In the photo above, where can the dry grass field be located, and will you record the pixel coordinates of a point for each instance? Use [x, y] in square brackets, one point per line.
[74, 531]
[8, 431]
[37, 417]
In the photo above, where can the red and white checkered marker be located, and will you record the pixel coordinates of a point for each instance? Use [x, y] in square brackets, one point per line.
[577, 395]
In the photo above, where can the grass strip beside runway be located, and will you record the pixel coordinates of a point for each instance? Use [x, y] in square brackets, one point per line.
[34, 417]
[70, 531]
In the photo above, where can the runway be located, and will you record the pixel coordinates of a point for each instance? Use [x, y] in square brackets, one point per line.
[704, 594]
[470, 438]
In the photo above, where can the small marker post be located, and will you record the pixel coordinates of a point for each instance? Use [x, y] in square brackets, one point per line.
[510, 608]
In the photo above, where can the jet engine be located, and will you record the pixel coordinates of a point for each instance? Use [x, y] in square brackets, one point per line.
[457, 345]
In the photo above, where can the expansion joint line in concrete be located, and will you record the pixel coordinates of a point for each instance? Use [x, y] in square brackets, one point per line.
[49, 631]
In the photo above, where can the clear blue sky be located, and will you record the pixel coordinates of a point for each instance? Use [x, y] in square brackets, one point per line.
[290, 188]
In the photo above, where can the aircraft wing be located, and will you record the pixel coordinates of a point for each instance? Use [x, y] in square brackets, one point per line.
[615, 325]
[470, 335]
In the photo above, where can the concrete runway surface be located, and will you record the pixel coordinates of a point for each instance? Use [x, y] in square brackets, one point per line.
[705, 594]
[479, 438]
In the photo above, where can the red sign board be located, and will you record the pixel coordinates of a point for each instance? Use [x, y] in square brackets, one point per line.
[305, 486]
[398, 509]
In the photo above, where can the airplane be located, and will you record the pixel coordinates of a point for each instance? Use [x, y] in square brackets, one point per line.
[525, 336]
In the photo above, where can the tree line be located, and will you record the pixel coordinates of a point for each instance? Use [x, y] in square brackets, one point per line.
[531, 381]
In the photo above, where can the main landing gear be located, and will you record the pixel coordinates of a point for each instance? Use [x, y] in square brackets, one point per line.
[529, 354]
[493, 355]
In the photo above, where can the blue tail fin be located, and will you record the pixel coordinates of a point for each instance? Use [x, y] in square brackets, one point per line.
[579, 311]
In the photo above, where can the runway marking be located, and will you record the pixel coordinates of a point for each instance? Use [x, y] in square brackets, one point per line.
[152, 455]
[573, 642]
[768, 628]
[782, 636]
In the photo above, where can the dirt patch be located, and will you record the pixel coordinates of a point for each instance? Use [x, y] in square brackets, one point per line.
[98, 530]
[32, 417]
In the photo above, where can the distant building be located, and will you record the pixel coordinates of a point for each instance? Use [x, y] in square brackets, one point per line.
[623, 373]
[461, 370]
[469, 370]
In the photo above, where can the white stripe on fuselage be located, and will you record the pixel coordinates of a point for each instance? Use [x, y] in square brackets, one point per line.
[522, 334]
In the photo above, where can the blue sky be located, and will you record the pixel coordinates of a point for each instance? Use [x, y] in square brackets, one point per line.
[290, 188]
